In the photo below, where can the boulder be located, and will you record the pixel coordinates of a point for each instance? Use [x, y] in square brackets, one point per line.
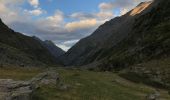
[15, 90]
[23, 90]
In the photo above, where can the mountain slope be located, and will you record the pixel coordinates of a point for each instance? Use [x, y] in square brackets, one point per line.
[54, 50]
[149, 39]
[31, 50]
[131, 35]
[106, 36]
[136, 44]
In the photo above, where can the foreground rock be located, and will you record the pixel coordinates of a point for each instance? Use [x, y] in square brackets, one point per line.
[153, 96]
[23, 90]
[15, 90]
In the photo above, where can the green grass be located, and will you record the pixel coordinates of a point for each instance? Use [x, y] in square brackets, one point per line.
[83, 85]
[18, 73]
[159, 68]
[86, 85]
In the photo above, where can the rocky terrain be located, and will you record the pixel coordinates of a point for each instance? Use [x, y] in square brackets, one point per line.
[23, 90]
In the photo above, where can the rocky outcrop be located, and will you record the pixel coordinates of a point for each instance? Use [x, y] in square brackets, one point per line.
[15, 90]
[23, 90]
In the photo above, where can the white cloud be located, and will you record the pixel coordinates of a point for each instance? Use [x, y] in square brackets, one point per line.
[123, 11]
[2, 8]
[35, 12]
[82, 16]
[70, 42]
[10, 10]
[106, 6]
[105, 15]
[65, 48]
[10, 1]
[66, 45]
[56, 19]
[34, 3]
[82, 24]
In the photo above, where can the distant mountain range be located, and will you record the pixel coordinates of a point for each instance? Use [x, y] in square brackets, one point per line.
[18, 49]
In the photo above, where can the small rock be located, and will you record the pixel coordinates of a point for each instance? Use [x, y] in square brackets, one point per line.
[78, 84]
[153, 96]
[64, 87]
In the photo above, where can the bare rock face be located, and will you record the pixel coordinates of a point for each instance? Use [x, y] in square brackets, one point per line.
[23, 90]
[15, 90]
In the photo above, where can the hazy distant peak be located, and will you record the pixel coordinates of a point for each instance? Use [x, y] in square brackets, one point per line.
[49, 42]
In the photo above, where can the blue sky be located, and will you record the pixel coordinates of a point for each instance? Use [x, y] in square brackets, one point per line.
[64, 22]
[71, 6]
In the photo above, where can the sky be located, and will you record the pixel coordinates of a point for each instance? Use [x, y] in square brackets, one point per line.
[64, 22]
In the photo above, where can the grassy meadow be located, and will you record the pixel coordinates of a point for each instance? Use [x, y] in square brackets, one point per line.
[19, 73]
[88, 85]
[83, 85]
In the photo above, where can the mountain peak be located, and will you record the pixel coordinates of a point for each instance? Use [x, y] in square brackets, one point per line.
[139, 8]
[49, 42]
[50, 45]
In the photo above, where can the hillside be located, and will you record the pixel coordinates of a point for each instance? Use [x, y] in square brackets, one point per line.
[110, 33]
[143, 30]
[54, 50]
[131, 43]
[18, 49]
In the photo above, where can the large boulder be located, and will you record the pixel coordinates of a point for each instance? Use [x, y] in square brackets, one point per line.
[23, 90]
[15, 90]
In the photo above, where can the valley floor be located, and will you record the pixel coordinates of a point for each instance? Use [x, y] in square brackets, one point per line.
[84, 85]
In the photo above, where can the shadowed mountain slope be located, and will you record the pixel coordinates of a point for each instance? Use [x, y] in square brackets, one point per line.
[54, 50]
[18, 49]
[139, 35]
